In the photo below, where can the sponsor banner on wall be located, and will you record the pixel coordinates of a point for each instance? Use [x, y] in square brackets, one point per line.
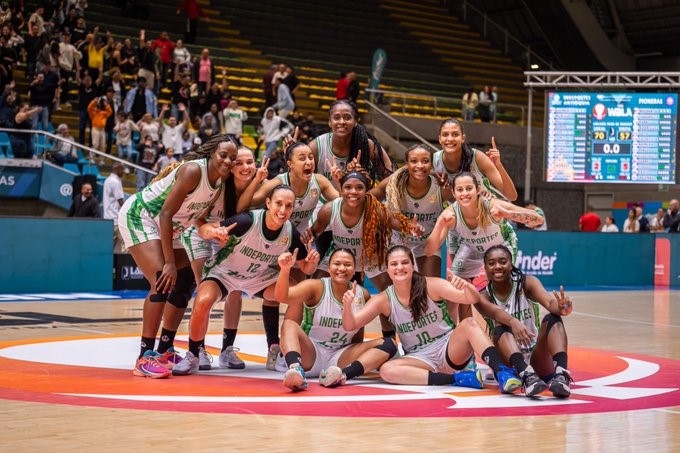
[20, 178]
[126, 273]
[57, 186]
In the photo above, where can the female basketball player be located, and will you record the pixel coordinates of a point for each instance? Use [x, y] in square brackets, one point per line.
[253, 242]
[518, 334]
[321, 346]
[479, 223]
[151, 222]
[419, 308]
[199, 250]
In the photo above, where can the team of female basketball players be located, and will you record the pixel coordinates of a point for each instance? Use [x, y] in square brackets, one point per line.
[308, 238]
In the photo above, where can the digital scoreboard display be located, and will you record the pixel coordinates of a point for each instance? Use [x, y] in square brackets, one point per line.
[611, 137]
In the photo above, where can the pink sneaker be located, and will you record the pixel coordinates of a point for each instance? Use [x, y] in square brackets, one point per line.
[169, 358]
[148, 366]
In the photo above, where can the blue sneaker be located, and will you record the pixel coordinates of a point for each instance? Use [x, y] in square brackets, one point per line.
[507, 379]
[295, 378]
[470, 379]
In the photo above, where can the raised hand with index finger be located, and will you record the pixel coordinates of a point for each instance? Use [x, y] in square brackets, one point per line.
[287, 260]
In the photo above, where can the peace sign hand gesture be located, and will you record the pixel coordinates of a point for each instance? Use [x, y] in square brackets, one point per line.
[334, 170]
[290, 139]
[355, 164]
[263, 170]
[563, 302]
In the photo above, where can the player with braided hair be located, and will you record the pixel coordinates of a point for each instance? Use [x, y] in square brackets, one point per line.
[150, 223]
[517, 332]
[361, 223]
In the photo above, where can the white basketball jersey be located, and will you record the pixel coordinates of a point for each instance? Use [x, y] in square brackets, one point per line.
[438, 166]
[249, 256]
[325, 155]
[525, 310]
[425, 210]
[323, 322]
[305, 205]
[482, 239]
[415, 335]
[346, 236]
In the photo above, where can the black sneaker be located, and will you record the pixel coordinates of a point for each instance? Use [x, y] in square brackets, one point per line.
[559, 386]
[532, 385]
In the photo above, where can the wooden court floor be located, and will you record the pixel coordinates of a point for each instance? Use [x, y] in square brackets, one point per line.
[642, 326]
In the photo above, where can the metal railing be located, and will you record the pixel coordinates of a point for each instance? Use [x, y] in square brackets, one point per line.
[498, 34]
[400, 126]
[91, 151]
[435, 105]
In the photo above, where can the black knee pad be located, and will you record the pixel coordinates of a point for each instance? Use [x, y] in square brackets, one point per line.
[158, 297]
[550, 320]
[184, 288]
[499, 330]
[389, 346]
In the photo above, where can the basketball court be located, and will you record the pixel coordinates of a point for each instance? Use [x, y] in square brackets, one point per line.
[67, 384]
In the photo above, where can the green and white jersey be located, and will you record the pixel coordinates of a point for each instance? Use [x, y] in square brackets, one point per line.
[434, 324]
[323, 322]
[248, 257]
[305, 205]
[438, 166]
[481, 239]
[425, 210]
[194, 205]
[325, 155]
[525, 310]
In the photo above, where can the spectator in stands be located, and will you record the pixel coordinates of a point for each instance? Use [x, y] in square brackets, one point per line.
[165, 160]
[280, 74]
[113, 198]
[95, 54]
[232, 120]
[204, 71]
[291, 81]
[181, 91]
[8, 60]
[484, 106]
[9, 103]
[642, 220]
[149, 150]
[213, 112]
[70, 20]
[149, 126]
[99, 111]
[273, 127]
[109, 93]
[493, 108]
[171, 133]
[167, 47]
[5, 13]
[187, 143]
[69, 66]
[123, 129]
[341, 87]
[267, 87]
[22, 143]
[63, 151]
[86, 93]
[631, 225]
[128, 58]
[671, 221]
[609, 225]
[79, 34]
[140, 101]
[43, 89]
[529, 204]
[147, 61]
[656, 224]
[284, 101]
[352, 87]
[14, 40]
[181, 56]
[85, 204]
[116, 85]
[276, 165]
[193, 12]
[469, 103]
[34, 43]
[37, 20]
[209, 127]
[589, 221]
[218, 93]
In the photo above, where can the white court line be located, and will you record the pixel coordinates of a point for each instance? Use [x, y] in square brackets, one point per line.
[668, 411]
[86, 330]
[633, 321]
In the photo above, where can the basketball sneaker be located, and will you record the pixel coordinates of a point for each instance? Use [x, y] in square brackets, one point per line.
[332, 377]
[295, 378]
[204, 360]
[229, 359]
[470, 379]
[169, 358]
[188, 365]
[472, 364]
[507, 379]
[532, 385]
[148, 366]
[272, 354]
[559, 385]
[281, 366]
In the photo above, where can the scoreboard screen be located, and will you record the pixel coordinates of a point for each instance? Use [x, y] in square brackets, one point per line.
[611, 137]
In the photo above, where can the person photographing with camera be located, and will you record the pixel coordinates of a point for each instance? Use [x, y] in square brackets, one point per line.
[99, 111]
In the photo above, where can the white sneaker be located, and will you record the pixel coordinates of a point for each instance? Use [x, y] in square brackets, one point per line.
[229, 359]
[332, 377]
[295, 378]
[204, 360]
[188, 365]
[280, 365]
[272, 355]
